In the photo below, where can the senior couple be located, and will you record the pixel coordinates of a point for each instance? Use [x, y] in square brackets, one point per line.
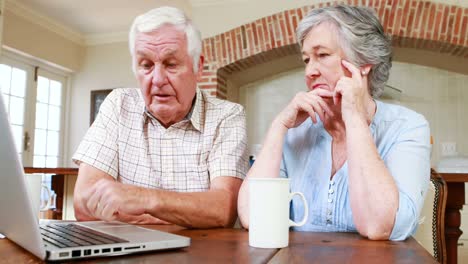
[168, 153]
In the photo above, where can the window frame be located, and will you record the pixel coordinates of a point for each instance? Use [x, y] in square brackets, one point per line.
[36, 67]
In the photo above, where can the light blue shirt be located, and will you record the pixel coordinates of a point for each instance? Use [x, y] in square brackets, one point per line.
[402, 138]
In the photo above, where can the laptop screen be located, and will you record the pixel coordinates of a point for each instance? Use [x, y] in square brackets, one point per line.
[18, 221]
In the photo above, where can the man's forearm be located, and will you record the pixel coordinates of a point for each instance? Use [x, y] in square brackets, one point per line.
[87, 177]
[104, 198]
[144, 219]
[214, 208]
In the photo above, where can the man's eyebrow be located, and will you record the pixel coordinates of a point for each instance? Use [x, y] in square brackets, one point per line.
[168, 53]
[141, 53]
[165, 54]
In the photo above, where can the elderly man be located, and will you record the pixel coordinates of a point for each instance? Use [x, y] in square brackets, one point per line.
[164, 153]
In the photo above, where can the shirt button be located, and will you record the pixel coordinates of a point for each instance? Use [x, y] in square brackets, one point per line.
[330, 200]
[330, 191]
[329, 212]
[329, 222]
[332, 183]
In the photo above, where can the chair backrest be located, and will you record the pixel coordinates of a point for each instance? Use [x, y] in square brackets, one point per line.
[431, 231]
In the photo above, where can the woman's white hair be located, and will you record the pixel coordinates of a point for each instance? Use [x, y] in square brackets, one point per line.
[361, 36]
[166, 15]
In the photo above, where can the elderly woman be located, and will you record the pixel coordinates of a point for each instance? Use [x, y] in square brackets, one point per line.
[363, 165]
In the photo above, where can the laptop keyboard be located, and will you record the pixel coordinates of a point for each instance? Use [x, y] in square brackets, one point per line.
[71, 235]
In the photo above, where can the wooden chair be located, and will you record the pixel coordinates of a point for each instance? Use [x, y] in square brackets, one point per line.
[431, 232]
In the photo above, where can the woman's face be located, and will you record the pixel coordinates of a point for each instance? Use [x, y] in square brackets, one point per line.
[322, 55]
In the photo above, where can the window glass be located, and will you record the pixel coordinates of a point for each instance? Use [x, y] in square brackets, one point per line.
[39, 161]
[51, 162]
[16, 110]
[41, 116]
[54, 118]
[52, 143]
[34, 108]
[18, 82]
[55, 97]
[40, 142]
[42, 90]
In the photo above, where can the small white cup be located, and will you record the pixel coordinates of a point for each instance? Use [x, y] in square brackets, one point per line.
[269, 202]
[35, 187]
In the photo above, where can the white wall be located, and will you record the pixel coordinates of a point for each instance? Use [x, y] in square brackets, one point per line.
[40, 43]
[439, 95]
[104, 67]
[265, 98]
[226, 15]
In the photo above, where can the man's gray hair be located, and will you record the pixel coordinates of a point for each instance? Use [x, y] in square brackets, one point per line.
[166, 15]
[361, 36]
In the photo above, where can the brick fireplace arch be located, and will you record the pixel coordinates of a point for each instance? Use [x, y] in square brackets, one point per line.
[416, 24]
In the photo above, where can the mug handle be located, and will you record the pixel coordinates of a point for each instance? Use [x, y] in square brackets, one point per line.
[306, 211]
[49, 202]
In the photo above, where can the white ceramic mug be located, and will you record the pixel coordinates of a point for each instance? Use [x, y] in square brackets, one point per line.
[35, 187]
[269, 202]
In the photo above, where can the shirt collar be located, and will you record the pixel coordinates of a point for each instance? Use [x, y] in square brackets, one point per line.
[195, 115]
[377, 115]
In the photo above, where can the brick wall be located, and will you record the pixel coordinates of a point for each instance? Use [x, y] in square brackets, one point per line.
[412, 23]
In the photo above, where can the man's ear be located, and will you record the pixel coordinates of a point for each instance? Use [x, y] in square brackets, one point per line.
[200, 67]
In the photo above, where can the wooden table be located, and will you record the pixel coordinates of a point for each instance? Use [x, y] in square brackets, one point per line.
[308, 247]
[455, 202]
[231, 246]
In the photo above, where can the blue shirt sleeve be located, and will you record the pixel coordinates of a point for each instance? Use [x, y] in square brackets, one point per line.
[408, 161]
[283, 172]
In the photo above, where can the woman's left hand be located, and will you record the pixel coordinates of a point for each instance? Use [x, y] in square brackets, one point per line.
[353, 93]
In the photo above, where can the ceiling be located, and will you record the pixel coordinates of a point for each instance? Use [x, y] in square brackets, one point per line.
[88, 21]
[95, 16]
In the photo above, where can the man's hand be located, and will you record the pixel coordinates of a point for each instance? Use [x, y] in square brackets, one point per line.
[108, 199]
[145, 219]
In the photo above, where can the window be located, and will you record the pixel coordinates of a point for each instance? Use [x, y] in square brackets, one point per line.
[13, 85]
[34, 98]
[47, 127]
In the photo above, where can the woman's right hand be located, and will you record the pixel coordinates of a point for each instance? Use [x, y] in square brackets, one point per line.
[304, 105]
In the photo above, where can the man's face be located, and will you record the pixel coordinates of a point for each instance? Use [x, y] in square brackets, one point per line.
[164, 71]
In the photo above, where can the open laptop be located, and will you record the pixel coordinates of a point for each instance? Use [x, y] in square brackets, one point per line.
[60, 240]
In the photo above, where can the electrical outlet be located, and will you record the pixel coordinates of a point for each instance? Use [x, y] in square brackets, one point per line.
[449, 148]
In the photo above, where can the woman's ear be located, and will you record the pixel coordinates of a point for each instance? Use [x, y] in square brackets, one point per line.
[365, 69]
